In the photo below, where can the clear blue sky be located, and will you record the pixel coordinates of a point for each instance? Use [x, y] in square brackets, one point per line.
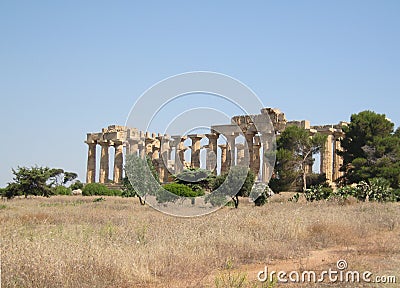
[71, 67]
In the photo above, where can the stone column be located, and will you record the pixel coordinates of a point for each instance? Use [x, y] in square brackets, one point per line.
[211, 161]
[148, 143]
[337, 160]
[240, 154]
[230, 151]
[104, 161]
[224, 166]
[164, 157]
[195, 155]
[91, 163]
[118, 161]
[327, 158]
[165, 148]
[256, 156]
[267, 167]
[155, 152]
[133, 145]
[249, 139]
[141, 145]
[177, 142]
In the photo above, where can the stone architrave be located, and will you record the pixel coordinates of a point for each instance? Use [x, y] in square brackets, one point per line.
[104, 161]
[118, 161]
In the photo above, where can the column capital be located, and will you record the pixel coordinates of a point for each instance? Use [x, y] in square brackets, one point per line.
[104, 143]
[211, 136]
[196, 136]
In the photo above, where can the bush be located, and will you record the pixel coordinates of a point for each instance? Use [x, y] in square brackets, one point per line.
[176, 190]
[12, 190]
[378, 189]
[317, 193]
[346, 192]
[76, 185]
[196, 179]
[182, 190]
[61, 190]
[96, 189]
[260, 193]
[396, 195]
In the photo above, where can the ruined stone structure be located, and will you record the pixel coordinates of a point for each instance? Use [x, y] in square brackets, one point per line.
[168, 152]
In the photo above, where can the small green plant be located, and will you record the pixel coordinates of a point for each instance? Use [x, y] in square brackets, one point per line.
[317, 193]
[99, 199]
[2, 206]
[294, 198]
[61, 190]
[230, 279]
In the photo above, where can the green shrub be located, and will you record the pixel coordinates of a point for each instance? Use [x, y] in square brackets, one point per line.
[396, 195]
[100, 199]
[317, 193]
[196, 179]
[114, 192]
[95, 189]
[76, 185]
[295, 197]
[345, 192]
[182, 190]
[260, 193]
[175, 191]
[378, 189]
[61, 190]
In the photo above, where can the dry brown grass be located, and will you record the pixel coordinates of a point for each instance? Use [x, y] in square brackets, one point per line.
[69, 241]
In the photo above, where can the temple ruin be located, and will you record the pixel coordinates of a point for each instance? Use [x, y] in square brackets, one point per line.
[168, 152]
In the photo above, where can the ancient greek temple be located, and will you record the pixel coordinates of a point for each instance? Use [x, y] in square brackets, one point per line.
[238, 143]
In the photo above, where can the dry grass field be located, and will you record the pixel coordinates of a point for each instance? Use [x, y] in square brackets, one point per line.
[72, 241]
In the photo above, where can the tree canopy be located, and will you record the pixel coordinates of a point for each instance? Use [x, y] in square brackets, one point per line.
[295, 148]
[371, 149]
[37, 181]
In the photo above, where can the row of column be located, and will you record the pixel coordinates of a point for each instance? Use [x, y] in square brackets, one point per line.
[159, 149]
[104, 161]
